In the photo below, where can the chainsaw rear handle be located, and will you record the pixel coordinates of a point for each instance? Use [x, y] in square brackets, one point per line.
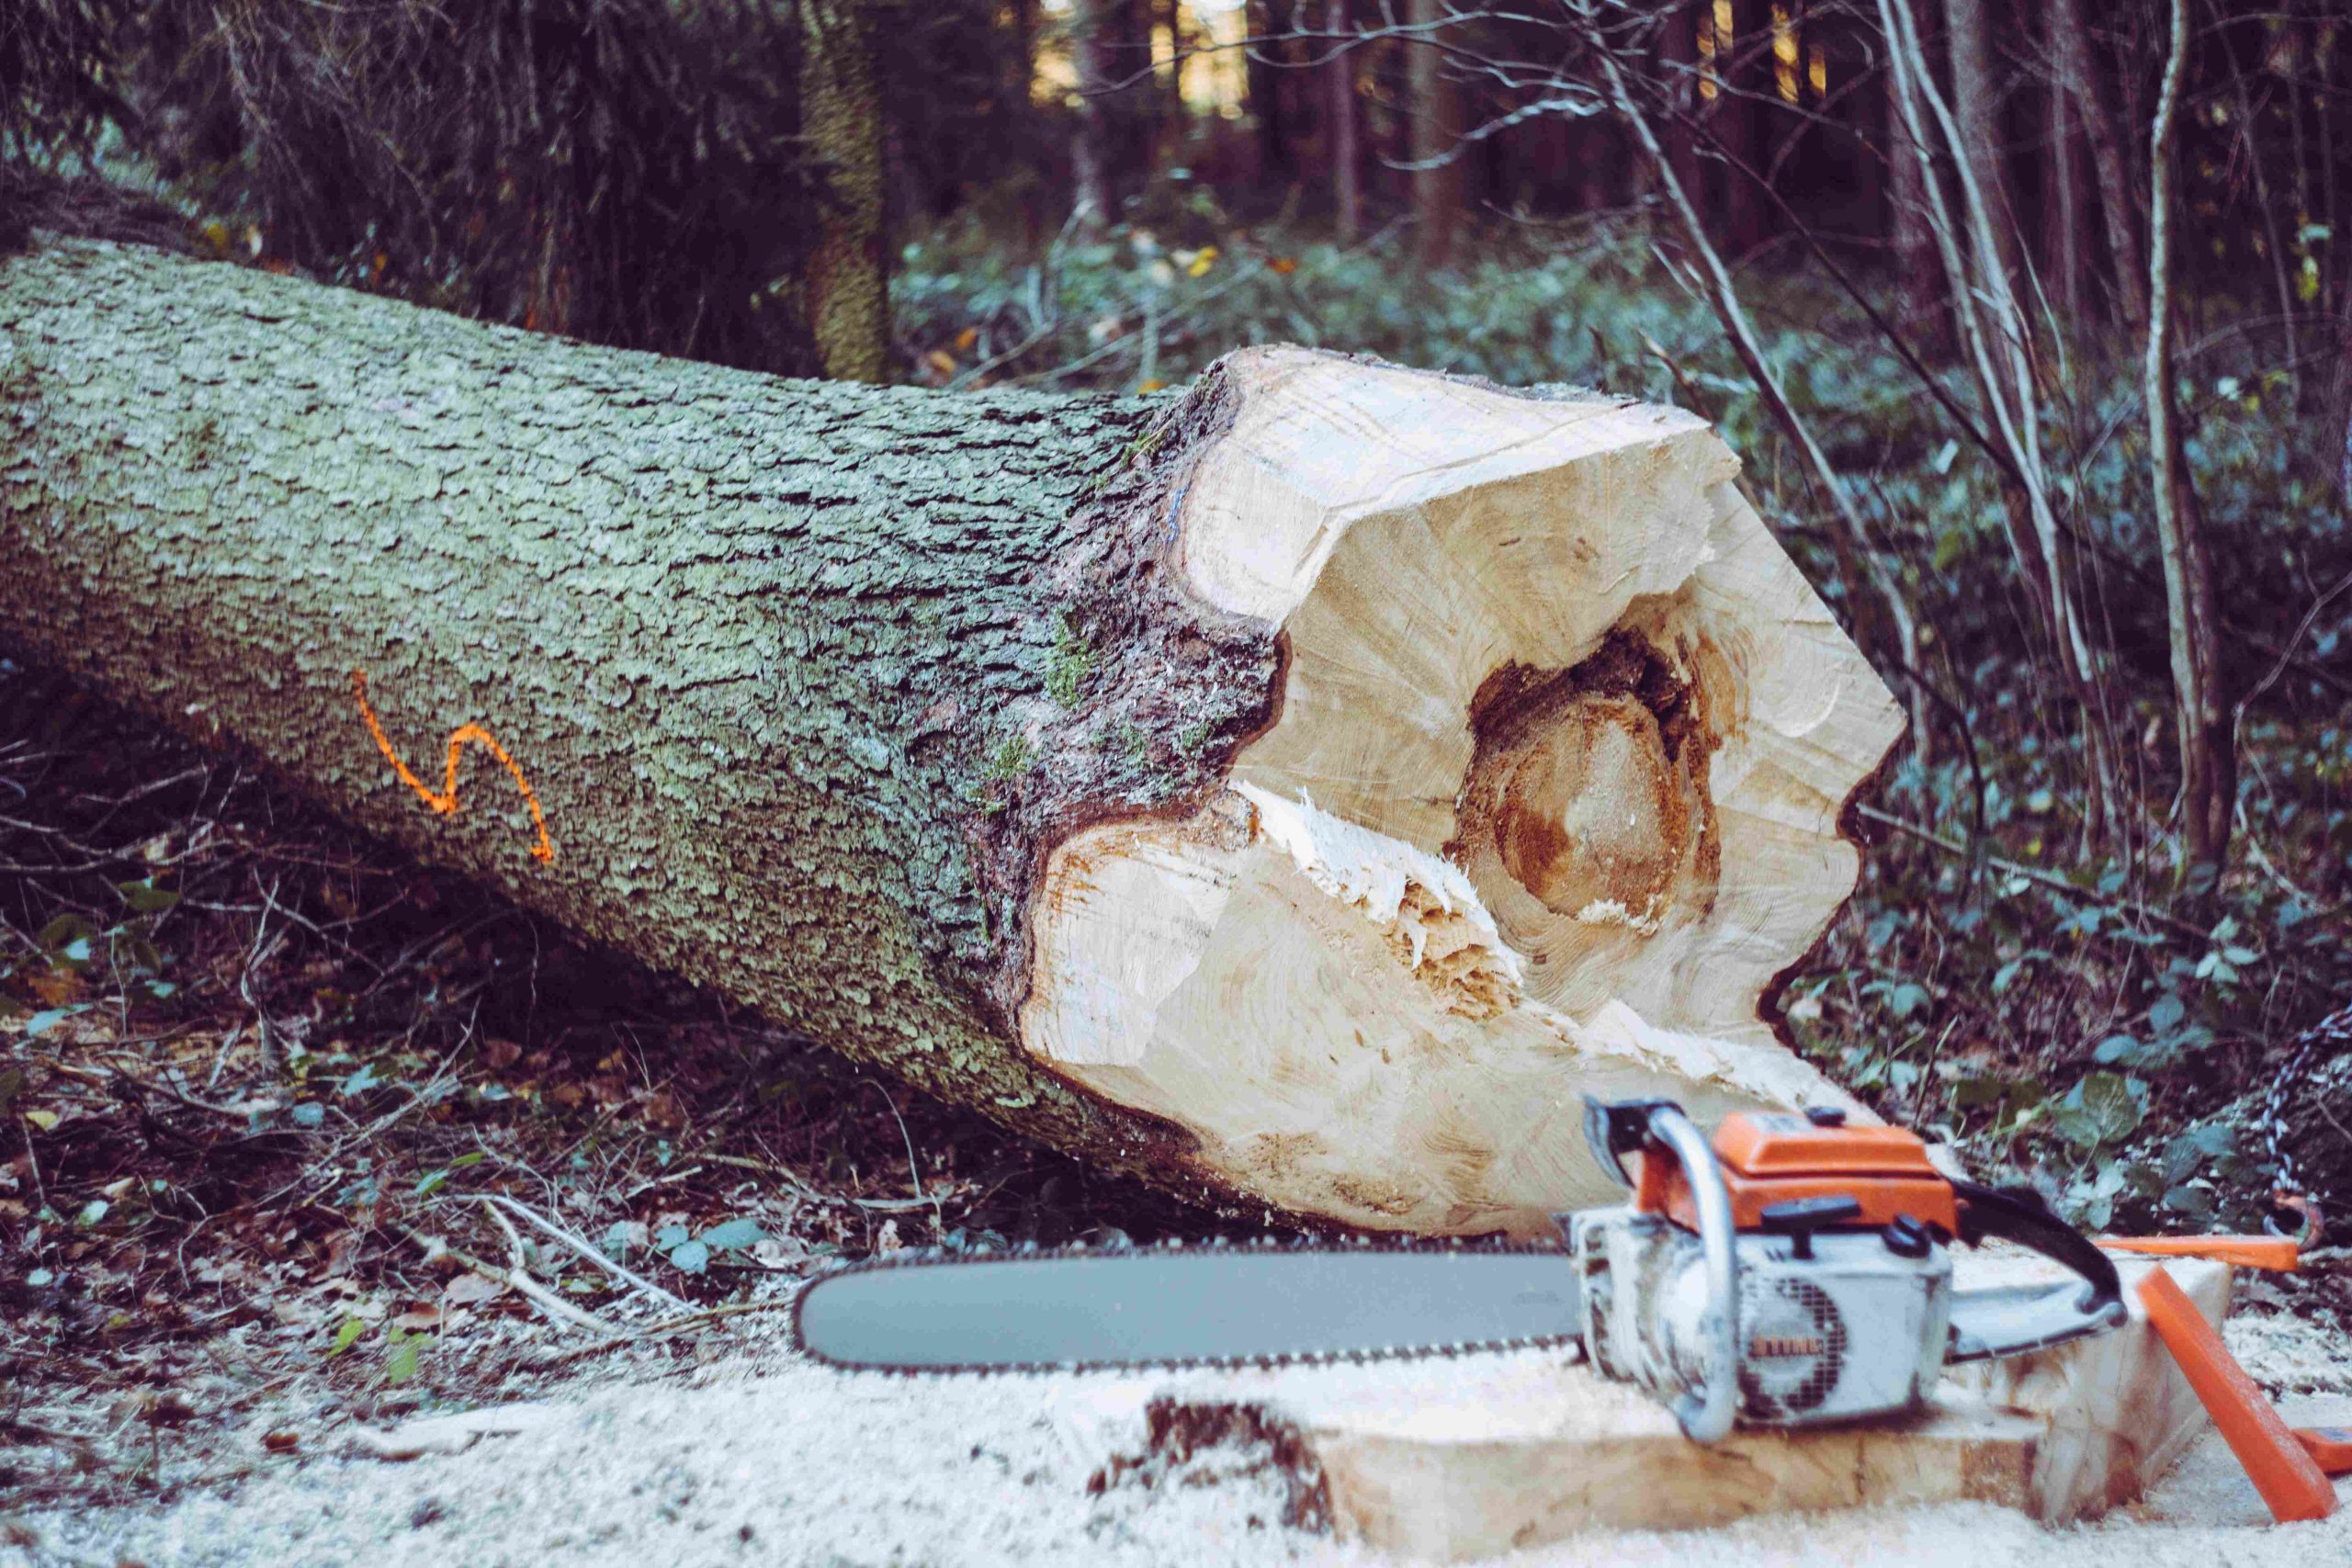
[1705, 1415]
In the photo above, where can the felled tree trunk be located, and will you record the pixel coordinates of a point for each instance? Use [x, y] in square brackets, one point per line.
[1272, 790]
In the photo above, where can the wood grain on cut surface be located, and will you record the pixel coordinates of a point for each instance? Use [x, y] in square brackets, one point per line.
[1563, 738]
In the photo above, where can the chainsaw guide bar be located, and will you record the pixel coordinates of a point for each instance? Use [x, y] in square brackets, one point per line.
[1790, 1271]
[1084, 1308]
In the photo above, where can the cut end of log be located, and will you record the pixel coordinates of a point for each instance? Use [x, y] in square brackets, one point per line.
[1561, 747]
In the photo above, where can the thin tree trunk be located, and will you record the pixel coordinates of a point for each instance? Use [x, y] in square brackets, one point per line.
[2064, 204]
[2070, 43]
[2000, 351]
[1022, 67]
[1341, 110]
[1174, 115]
[1916, 273]
[1744, 60]
[1976, 94]
[848, 275]
[2208, 760]
[1678, 50]
[1265, 75]
[1266, 791]
[1436, 135]
[1094, 52]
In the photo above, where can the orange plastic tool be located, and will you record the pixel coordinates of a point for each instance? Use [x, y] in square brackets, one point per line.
[2330, 1448]
[2283, 1471]
[2278, 1253]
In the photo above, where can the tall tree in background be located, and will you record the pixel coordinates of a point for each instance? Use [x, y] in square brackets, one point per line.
[1436, 134]
[847, 281]
[1340, 117]
[1976, 94]
[1265, 63]
[2062, 198]
[1742, 60]
[1021, 60]
[2208, 760]
[1913, 243]
[2070, 46]
[1094, 52]
[1677, 52]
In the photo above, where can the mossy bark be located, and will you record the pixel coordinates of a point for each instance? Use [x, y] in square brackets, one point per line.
[804, 676]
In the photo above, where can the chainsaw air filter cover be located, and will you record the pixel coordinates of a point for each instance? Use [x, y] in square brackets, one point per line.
[1854, 1327]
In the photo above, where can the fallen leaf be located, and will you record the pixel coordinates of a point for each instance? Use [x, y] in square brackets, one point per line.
[1284, 265]
[966, 339]
[467, 1289]
[418, 1319]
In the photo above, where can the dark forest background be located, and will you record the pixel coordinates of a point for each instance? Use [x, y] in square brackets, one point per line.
[2032, 322]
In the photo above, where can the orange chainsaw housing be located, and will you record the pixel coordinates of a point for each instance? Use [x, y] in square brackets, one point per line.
[1772, 1157]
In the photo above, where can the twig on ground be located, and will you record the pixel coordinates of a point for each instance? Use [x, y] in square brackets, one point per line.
[786, 1175]
[581, 1246]
[221, 1057]
[914, 1167]
[255, 957]
[516, 1279]
[663, 1329]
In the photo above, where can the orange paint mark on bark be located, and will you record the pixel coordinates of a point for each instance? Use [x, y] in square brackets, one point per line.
[445, 802]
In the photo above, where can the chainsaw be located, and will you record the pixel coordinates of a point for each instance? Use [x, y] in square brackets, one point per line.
[1793, 1269]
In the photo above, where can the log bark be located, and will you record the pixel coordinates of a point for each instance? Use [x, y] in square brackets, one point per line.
[1296, 791]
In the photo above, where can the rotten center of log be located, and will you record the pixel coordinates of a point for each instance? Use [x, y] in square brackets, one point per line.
[1590, 783]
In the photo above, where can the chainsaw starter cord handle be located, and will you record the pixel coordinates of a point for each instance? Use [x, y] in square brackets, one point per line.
[1706, 1414]
[2023, 1218]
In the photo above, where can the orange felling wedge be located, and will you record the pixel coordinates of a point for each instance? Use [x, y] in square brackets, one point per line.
[2283, 1471]
[2277, 1253]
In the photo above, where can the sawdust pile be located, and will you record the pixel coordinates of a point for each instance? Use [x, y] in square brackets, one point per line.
[764, 1459]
